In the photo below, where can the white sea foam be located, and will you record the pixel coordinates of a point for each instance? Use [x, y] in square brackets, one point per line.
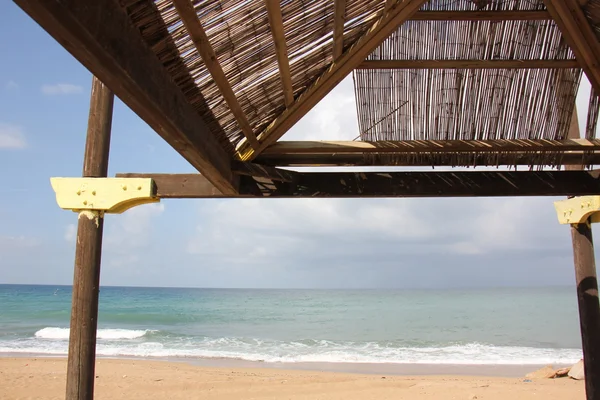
[117, 342]
[109, 334]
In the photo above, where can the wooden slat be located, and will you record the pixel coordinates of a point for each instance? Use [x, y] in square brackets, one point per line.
[118, 56]
[481, 16]
[575, 158]
[339, 17]
[276, 24]
[396, 15]
[190, 19]
[429, 146]
[467, 64]
[396, 184]
[579, 35]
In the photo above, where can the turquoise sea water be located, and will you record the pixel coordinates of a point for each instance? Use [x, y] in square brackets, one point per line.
[493, 326]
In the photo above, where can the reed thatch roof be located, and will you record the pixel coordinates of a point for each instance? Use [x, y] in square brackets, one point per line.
[410, 103]
[227, 79]
[469, 104]
[240, 35]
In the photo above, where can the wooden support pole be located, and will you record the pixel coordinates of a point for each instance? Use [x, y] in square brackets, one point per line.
[86, 280]
[589, 308]
[587, 290]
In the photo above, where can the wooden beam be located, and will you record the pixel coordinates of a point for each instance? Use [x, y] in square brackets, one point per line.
[181, 186]
[429, 146]
[576, 158]
[188, 15]
[481, 16]
[400, 184]
[263, 171]
[579, 35]
[439, 184]
[88, 251]
[100, 35]
[398, 13]
[468, 64]
[388, 5]
[276, 24]
[339, 17]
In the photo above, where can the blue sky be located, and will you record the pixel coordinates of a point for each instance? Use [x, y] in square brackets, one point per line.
[44, 99]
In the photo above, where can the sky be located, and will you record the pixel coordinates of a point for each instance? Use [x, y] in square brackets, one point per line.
[250, 243]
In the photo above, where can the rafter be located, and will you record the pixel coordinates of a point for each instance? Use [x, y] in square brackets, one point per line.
[468, 64]
[339, 17]
[430, 146]
[337, 71]
[116, 53]
[525, 158]
[190, 19]
[276, 24]
[481, 16]
[579, 35]
[388, 5]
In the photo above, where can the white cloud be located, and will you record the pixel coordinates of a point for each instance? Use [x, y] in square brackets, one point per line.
[71, 233]
[129, 233]
[334, 118]
[15, 243]
[61, 88]
[12, 137]
[247, 230]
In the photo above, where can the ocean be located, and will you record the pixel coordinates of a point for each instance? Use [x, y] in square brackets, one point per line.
[516, 326]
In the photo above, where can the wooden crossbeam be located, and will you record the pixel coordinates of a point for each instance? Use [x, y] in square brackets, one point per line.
[398, 13]
[339, 17]
[481, 16]
[579, 35]
[188, 15]
[391, 184]
[180, 186]
[430, 146]
[467, 64]
[276, 24]
[419, 159]
[438, 184]
[116, 53]
[263, 171]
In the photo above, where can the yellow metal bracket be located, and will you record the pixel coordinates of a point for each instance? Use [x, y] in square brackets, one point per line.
[578, 209]
[106, 195]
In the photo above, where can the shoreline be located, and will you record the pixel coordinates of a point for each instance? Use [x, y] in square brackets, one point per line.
[143, 379]
[393, 369]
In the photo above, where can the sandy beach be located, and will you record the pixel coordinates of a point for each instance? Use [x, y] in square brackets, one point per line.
[44, 378]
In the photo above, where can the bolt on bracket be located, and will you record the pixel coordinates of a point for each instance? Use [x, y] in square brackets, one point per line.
[107, 195]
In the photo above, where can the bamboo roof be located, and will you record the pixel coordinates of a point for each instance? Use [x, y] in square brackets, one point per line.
[240, 35]
[265, 70]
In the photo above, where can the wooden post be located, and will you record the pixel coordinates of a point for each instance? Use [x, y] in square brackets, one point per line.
[589, 307]
[587, 291]
[86, 281]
